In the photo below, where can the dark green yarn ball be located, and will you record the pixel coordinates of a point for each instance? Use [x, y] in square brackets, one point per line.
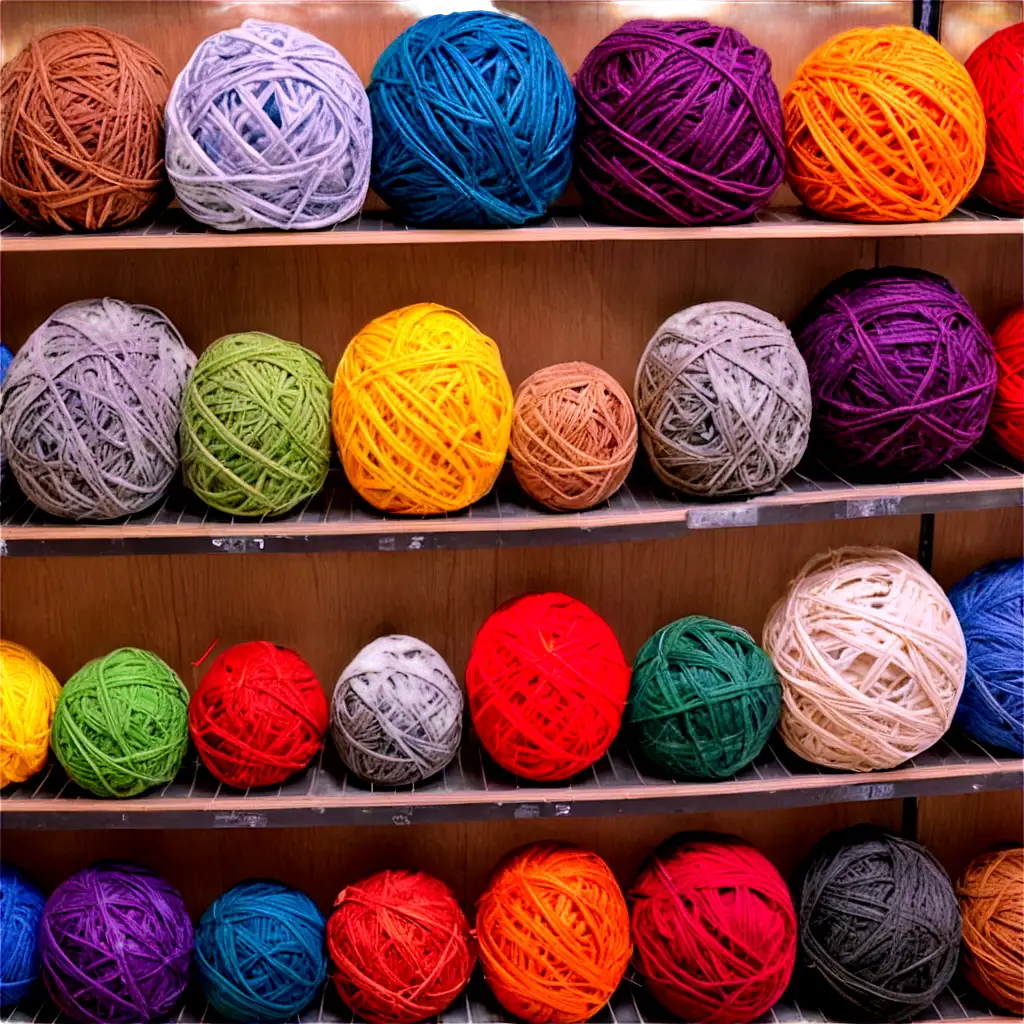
[703, 700]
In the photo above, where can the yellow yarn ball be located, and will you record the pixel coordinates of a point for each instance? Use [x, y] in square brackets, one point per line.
[421, 411]
[28, 695]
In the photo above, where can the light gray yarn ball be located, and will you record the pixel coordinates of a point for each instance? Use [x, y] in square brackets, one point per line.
[396, 714]
[723, 399]
[90, 409]
[268, 127]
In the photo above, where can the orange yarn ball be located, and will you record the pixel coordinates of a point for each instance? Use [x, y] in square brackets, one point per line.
[553, 932]
[882, 124]
[1007, 418]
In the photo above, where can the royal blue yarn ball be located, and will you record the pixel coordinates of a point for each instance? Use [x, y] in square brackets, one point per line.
[5, 362]
[260, 952]
[21, 909]
[990, 606]
[473, 121]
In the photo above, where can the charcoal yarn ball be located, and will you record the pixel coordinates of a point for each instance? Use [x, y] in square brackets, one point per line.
[21, 910]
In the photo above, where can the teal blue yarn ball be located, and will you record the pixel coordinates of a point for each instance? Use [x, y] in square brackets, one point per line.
[21, 909]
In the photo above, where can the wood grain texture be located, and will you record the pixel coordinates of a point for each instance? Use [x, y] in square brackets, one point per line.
[965, 541]
[957, 828]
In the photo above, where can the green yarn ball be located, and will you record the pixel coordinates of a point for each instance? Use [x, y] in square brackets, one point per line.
[121, 724]
[703, 700]
[256, 425]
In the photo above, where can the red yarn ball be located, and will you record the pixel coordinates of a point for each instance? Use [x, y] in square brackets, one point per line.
[1007, 419]
[401, 947]
[547, 686]
[714, 929]
[258, 716]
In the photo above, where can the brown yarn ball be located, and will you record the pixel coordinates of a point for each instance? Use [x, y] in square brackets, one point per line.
[82, 120]
[574, 435]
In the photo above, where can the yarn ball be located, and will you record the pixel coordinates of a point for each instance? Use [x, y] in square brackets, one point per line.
[21, 909]
[547, 685]
[714, 927]
[573, 436]
[258, 715]
[1007, 419]
[679, 123]
[401, 947]
[121, 724]
[396, 713]
[703, 700]
[882, 124]
[422, 411]
[5, 362]
[902, 373]
[991, 895]
[473, 120]
[28, 696]
[255, 425]
[115, 944]
[81, 114]
[91, 408]
[723, 400]
[553, 932]
[268, 127]
[260, 952]
[878, 924]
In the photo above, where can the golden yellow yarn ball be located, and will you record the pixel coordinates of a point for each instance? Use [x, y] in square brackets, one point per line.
[28, 695]
[421, 411]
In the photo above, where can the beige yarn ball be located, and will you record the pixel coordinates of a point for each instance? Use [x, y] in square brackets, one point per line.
[871, 659]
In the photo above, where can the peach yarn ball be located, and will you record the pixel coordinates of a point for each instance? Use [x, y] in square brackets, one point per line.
[28, 695]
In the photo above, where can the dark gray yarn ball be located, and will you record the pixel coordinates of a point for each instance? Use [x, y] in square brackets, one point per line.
[879, 924]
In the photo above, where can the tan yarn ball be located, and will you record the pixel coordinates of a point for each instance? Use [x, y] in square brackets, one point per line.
[871, 659]
[574, 436]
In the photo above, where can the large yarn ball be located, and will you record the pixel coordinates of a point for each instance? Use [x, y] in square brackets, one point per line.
[878, 923]
[121, 724]
[422, 411]
[258, 715]
[21, 910]
[473, 120]
[1007, 419]
[573, 436]
[553, 932]
[882, 124]
[401, 947]
[255, 425]
[396, 713]
[704, 699]
[82, 116]
[547, 685]
[268, 127]
[91, 407]
[116, 945]
[28, 696]
[679, 123]
[714, 927]
[902, 372]
[260, 952]
[870, 656]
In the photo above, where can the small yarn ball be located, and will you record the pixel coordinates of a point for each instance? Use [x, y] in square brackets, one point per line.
[82, 116]
[473, 120]
[401, 947]
[396, 713]
[679, 123]
[121, 724]
[714, 927]
[91, 408]
[547, 685]
[878, 924]
[258, 715]
[268, 127]
[260, 952]
[255, 425]
[573, 436]
[1007, 419]
[703, 700]
[116, 945]
[5, 362]
[28, 696]
[422, 411]
[902, 372]
[553, 931]
[21, 910]
[883, 125]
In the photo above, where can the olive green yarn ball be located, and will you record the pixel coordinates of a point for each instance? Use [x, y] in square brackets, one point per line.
[256, 425]
[703, 700]
[121, 724]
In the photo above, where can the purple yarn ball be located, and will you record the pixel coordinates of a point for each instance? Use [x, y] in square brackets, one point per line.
[679, 122]
[115, 943]
[902, 372]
